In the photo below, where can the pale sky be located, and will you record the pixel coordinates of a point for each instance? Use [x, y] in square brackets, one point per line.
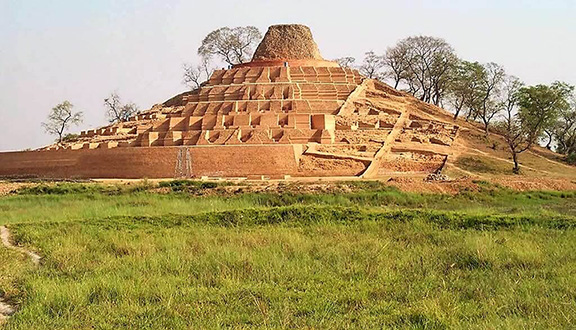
[81, 51]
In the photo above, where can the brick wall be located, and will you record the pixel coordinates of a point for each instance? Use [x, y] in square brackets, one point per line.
[151, 162]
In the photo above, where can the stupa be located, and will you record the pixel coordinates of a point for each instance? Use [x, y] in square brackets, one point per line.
[287, 113]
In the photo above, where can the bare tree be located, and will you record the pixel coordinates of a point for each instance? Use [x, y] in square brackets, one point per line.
[425, 64]
[518, 134]
[195, 75]
[60, 119]
[231, 45]
[442, 71]
[118, 112]
[345, 62]
[372, 65]
[487, 104]
[396, 61]
[511, 86]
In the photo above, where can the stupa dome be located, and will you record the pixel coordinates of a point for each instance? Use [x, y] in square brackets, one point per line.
[287, 42]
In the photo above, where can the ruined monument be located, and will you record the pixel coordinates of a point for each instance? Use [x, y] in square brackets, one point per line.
[288, 112]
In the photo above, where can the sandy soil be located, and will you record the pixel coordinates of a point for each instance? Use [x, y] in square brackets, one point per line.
[7, 187]
[524, 184]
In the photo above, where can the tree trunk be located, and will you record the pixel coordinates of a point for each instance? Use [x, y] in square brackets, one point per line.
[469, 115]
[456, 114]
[516, 169]
[549, 144]
[60, 133]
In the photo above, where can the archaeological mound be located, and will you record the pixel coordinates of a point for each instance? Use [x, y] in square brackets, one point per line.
[287, 113]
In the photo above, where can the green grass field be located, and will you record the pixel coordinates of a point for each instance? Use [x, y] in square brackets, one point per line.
[116, 258]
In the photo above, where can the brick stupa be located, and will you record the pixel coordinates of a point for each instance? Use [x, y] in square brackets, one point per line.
[287, 113]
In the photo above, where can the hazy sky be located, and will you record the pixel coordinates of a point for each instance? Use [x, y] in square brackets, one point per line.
[80, 50]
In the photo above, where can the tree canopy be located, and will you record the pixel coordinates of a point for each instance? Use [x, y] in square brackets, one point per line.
[117, 112]
[538, 109]
[541, 105]
[195, 75]
[231, 45]
[424, 64]
[564, 130]
[60, 118]
[346, 62]
[372, 65]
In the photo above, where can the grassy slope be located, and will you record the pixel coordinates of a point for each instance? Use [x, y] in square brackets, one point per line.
[505, 259]
[480, 158]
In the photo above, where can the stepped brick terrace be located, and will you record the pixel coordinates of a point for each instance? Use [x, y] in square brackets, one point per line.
[287, 113]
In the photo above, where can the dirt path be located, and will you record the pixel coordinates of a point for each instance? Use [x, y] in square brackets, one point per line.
[5, 236]
[550, 160]
[372, 170]
[473, 175]
[6, 310]
[507, 161]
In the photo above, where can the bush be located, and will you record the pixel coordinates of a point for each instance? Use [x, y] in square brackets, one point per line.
[67, 188]
[188, 186]
[571, 159]
[369, 185]
[70, 137]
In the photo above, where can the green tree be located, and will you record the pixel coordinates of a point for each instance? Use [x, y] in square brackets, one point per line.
[564, 130]
[463, 86]
[60, 118]
[542, 105]
[538, 108]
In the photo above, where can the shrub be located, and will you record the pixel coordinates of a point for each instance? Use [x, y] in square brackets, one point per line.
[571, 159]
[368, 185]
[189, 186]
[67, 188]
[70, 137]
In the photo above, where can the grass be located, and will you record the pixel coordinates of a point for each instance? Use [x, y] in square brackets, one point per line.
[544, 164]
[483, 165]
[372, 258]
[93, 204]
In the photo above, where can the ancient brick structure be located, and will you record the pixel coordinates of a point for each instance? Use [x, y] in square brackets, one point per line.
[288, 112]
